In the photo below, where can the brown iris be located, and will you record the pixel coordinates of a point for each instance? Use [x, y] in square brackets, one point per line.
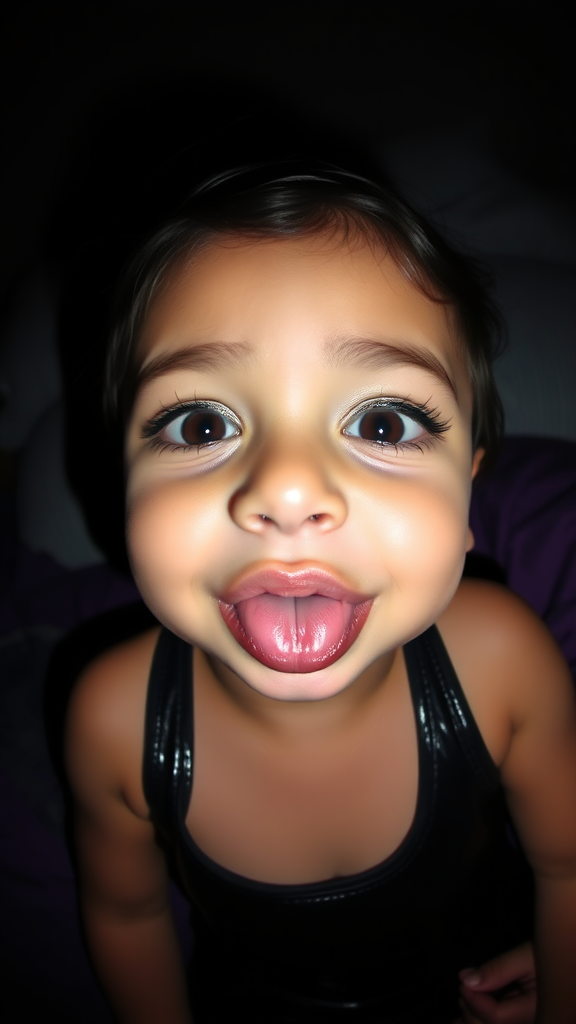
[203, 428]
[382, 425]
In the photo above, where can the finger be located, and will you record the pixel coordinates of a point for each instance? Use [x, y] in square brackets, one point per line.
[515, 965]
[468, 1018]
[482, 1008]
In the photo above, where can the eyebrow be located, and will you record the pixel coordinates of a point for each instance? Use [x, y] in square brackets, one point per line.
[211, 356]
[371, 353]
[375, 353]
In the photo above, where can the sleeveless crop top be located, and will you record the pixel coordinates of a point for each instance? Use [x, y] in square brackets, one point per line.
[381, 946]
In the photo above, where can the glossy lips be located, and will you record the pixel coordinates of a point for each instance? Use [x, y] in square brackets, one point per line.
[294, 622]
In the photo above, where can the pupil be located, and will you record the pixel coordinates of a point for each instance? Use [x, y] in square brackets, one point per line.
[203, 427]
[382, 425]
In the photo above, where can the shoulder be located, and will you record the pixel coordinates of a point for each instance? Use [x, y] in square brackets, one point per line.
[522, 696]
[489, 623]
[508, 663]
[105, 726]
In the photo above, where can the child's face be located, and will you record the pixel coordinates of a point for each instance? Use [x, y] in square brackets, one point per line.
[338, 410]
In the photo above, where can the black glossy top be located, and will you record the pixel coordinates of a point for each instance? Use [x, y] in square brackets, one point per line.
[384, 945]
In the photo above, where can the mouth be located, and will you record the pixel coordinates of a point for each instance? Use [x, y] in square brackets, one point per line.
[294, 621]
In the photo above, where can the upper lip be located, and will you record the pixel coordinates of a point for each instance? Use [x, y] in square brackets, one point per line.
[291, 582]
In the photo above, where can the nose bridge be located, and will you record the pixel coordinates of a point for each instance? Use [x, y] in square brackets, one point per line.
[288, 486]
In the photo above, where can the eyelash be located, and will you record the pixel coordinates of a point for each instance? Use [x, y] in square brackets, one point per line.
[152, 430]
[427, 417]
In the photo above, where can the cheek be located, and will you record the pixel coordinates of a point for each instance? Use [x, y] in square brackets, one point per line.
[422, 535]
[170, 533]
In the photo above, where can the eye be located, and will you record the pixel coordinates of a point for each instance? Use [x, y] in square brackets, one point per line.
[386, 425]
[193, 426]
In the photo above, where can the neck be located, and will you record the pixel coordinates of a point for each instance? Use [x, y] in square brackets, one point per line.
[298, 718]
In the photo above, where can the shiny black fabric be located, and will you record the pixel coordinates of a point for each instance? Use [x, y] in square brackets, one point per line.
[382, 946]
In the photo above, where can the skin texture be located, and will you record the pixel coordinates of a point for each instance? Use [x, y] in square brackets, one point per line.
[514, 968]
[292, 460]
[300, 776]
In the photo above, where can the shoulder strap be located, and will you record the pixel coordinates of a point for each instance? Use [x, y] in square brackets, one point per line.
[168, 732]
[437, 692]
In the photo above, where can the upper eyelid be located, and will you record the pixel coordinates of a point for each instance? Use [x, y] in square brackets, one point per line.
[428, 417]
[156, 423]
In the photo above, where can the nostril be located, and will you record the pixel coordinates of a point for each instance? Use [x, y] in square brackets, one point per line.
[258, 522]
[287, 507]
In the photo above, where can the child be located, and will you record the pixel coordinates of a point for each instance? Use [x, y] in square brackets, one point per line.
[318, 732]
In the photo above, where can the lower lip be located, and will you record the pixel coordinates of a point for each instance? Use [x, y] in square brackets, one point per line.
[296, 635]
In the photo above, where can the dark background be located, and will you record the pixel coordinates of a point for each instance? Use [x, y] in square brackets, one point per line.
[112, 110]
[372, 68]
[108, 111]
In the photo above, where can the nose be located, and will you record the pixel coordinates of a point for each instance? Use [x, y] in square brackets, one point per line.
[288, 492]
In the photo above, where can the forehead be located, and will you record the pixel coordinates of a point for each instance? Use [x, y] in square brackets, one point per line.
[299, 294]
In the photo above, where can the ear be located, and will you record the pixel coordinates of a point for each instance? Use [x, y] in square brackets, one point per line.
[476, 463]
[477, 460]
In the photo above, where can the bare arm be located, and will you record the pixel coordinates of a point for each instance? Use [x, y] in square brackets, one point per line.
[522, 697]
[556, 950]
[123, 877]
[539, 774]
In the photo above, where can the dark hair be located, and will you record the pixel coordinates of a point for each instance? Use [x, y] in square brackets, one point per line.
[277, 201]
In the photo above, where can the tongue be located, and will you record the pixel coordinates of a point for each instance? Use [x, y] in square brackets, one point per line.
[293, 630]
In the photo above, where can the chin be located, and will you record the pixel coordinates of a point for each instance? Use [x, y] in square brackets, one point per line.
[317, 685]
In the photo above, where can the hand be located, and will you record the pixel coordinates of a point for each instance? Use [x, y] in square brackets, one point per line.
[502, 991]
